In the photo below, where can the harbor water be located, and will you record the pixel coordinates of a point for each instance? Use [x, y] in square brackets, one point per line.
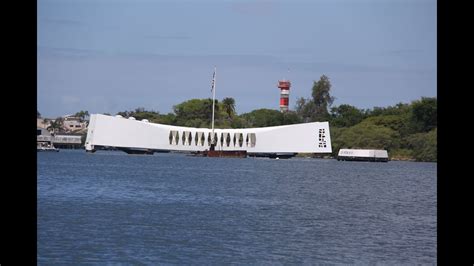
[113, 208]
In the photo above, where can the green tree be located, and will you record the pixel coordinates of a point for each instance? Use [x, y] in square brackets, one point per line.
[229, 106]
[56, 125]
[196, 109]
[300, 104]
[125, 114]
[424, 146]
[290, 117]
[83, 115]
[306, 109]
[316, 108]
[424, 116]
[399, 123]
[337, 142]
[346, 115]
[322, 98]
[141, 113]
[398, 109]
[168, 119]
[239, 122]
[263, 118]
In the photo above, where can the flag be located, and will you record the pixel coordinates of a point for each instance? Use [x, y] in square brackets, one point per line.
[213, 80]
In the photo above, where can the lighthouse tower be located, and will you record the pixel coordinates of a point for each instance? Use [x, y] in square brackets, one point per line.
[284, 86]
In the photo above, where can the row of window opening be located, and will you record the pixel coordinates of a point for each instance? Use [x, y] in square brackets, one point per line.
[199, 139]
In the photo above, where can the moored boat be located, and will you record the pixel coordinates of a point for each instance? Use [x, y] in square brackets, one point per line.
[46, 148]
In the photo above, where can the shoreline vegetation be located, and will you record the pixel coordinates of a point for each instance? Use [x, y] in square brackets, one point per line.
[408, 131]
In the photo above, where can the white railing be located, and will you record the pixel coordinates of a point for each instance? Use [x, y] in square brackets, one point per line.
[43, 138]
[67, 140]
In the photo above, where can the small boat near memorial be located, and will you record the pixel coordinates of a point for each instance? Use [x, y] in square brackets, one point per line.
[46, 147]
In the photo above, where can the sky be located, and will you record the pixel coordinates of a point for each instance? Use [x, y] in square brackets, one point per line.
[107, 56]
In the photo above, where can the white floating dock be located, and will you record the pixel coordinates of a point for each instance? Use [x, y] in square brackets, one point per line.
[362, 155]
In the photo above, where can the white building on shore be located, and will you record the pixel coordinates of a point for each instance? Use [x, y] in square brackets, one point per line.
[60, 140]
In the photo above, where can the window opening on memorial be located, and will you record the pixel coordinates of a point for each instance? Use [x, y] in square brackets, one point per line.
[227, 140]
[190, 138]
[253, 139]
[241, 139]
[203, 139]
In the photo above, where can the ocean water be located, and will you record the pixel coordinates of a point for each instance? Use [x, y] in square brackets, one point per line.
[113, 208]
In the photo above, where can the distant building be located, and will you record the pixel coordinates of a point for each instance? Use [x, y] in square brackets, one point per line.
[72, 123]
[42, 123]
[67, 141]
[60, 140]
[43, 136]
[284, 86]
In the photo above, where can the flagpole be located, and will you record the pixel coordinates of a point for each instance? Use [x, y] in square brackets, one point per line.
[213, 103]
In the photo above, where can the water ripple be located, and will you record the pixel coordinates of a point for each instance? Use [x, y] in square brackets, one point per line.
[112, 208]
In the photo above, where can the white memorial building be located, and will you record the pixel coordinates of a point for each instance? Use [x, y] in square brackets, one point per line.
[131, 134]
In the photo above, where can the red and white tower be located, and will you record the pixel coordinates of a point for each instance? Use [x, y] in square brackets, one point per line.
[284, 86]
